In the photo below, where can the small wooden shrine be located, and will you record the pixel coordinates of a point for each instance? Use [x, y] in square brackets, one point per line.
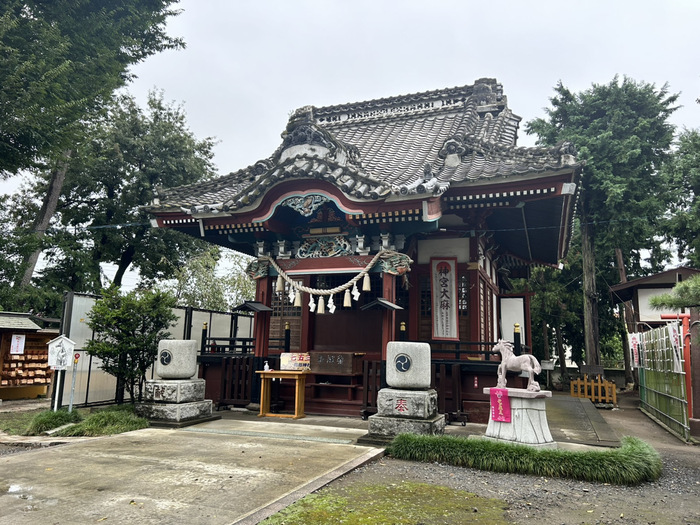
[24, 366]
[396, 218]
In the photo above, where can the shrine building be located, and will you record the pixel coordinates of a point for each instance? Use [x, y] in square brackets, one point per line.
[400, 218]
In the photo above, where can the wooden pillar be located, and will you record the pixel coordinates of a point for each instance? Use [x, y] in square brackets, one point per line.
[306, 342]
[414, 305]
[694, 393]
[263, 294]
[389, 318]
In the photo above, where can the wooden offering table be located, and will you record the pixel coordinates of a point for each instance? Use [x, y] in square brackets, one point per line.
[266, 377]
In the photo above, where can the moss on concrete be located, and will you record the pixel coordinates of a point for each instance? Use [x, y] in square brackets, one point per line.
[392, 504]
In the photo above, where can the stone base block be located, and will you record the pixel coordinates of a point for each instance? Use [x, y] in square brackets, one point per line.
[409, 404]
[528, 420]
[393, 426]
[175, 412]
[174, 390]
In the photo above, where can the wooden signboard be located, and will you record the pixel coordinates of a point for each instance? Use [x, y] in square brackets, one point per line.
[336, 363]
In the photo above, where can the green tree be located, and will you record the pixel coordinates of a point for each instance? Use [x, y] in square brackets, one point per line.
[683, 170]
[114, 174]
[127, 331]
[59, 59]
[685, 294]
[197, 283]
[621, 130]
[17, 241]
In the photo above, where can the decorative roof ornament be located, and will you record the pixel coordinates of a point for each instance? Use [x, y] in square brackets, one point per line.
[452, 146]
[257, 269]
[261, 167]
[324, 247]
[305, 205]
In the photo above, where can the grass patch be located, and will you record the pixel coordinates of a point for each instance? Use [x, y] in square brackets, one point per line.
[111, 420]
[633, 463]
[17, 423]
[392, 504]
[48, 420]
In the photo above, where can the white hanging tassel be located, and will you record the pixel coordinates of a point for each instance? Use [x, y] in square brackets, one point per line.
[321, 306]
[312, 304]
[292, 295]
[347, 300]
[355, 292]
[366, 287]
[331, 305]
[280, 284]
[297, 298]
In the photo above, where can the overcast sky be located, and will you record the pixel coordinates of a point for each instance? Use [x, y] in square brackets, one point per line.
[249, 63]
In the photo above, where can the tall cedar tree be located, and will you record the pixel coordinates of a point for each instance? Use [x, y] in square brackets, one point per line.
[127, 331]
[684, 171]
[621, 130]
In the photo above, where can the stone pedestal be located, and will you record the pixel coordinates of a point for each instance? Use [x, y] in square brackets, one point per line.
[528, 424]
[409, 406]
[175, 403]
[400, 411]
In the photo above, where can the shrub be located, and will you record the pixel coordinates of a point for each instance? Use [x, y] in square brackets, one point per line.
[48, 420]
[108, 421]
[633, 463]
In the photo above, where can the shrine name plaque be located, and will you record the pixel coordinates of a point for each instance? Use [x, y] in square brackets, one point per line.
[336, 363]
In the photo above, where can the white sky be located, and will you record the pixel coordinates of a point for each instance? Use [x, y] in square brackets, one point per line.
[250, 63]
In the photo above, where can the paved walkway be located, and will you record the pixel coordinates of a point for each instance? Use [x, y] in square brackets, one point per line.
[238, 469]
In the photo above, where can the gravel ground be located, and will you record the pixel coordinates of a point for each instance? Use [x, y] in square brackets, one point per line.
[674, 499]
[15, 448]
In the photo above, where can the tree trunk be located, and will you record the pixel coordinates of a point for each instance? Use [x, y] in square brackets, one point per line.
[627, 319]
[124, 262]
[562, 353]
[43, 219]
[590, 296]
[545, 339]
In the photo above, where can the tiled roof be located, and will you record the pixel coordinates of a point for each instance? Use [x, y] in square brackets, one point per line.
[16, 321]
[404, 145]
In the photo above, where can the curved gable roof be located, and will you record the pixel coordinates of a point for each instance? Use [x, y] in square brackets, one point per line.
[404, 145]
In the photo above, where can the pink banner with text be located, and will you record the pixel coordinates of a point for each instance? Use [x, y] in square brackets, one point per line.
[500, 405]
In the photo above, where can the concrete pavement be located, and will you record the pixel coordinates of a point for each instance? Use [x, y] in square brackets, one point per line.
[239, 469]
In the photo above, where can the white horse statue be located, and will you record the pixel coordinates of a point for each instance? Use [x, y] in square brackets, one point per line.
[516, 363]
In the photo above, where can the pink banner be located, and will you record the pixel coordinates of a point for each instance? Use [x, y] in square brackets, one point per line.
[500, 405]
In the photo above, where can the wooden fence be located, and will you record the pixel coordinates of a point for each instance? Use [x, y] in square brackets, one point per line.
[598, 390]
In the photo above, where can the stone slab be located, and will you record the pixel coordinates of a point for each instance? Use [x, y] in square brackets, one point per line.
[174, 390]
[175, 412]
[522, 393]
[528, 424]
[393, 426]
[177, 358]
[411, 404]
[408, 365]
